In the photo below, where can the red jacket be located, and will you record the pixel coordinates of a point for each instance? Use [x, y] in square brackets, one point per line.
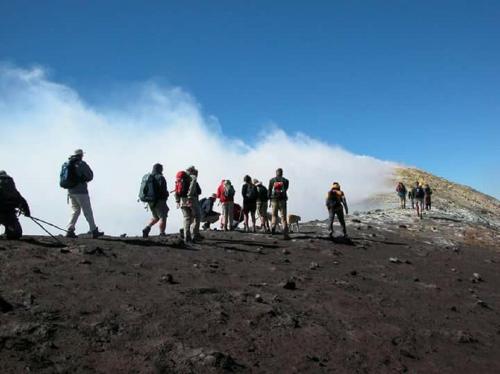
[220, 194]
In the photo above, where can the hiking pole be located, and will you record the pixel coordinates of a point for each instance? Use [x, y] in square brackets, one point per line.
[44, 229]
[48, 223]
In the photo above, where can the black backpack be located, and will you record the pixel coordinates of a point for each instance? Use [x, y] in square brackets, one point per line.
[147, 192]
[68, 178]
[262, 193]
[9, 196]
[251, 193]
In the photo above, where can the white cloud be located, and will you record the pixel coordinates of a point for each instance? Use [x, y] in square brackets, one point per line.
[42, 122]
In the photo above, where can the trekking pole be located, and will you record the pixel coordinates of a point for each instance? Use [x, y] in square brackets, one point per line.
[44, 229]
[48, 223]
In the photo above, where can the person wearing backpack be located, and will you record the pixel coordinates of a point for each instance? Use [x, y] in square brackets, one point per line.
[262, 204]
[419, 197]
[336, 203]
[401, 191]
[11, 201]
[187, 192]
[277, 193]
[154, 192]
[225, 193]
[75, 175]
[208, 216]
[249, 193]
[428, 193]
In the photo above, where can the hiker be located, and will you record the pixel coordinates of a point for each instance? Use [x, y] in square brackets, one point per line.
[225, 194]
[411, 196]
[10, 202]
[336, 203]
[208, 216]
[187, 192]
[262, 205]
[419, 199]
[75, 175]
[401, 191]
[277, 193]
[154, 191]
[249, 193]
[427, 198]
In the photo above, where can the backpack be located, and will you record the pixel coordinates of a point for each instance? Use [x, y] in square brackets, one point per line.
[182, 180]
[279, 190]
[68, 178]
[262, 193]
[229, 191]
[335, 198]
[419, 192]
[251, 193]
[147, 192]
[9, 197]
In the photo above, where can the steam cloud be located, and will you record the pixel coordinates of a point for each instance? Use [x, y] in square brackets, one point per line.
[42, 122]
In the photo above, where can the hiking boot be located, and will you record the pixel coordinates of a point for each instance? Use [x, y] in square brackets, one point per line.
[273, 231]
[162, 234]
[71, 234]
[145, 231]
[206, 226]
[96, 233]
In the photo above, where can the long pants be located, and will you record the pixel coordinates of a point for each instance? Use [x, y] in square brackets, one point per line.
[78, 203]
[279, 206]
[420, 207]
[402, 202]
[339, 212]
[412, 202]
[192, 218]
[227, 215]
[13, 229]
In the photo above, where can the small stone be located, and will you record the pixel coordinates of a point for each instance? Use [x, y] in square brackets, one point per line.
[454, 309]
[259, 298]
[196, 265]
[453, 270]
[167, 278]
[476, 278]
[394, 260]
[416, 279]
[260, 250]
[353, 273]
[290, 284]
[313, 265]
[403, 226]
[210, 360]
[483, 304]
[285, 251]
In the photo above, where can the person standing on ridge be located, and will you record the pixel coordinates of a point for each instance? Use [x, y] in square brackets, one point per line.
[419, 199]
[225, 194]
[411, 196]
[428, 193]
[75, 175]
[401, 191]
[249, 193]
[10, 201]
[187, 192]
[277, 193]
[154, 191]
[336, 203]
[262, 205]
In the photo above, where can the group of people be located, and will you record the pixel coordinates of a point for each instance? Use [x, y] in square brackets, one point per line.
[257, 199]
[419, 195]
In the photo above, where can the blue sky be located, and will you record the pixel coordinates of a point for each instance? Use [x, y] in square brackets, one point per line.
[411, 81]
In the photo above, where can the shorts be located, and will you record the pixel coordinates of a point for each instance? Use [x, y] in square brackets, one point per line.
[159, 210]
[249, 207]
[262, 208]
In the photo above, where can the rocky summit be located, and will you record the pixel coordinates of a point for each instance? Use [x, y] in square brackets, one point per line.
[400, 295]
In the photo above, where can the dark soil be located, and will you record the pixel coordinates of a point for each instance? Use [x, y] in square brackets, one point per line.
[250, 303]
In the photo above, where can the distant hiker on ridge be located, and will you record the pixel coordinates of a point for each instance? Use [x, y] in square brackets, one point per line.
[427, 198]
[336, 203]
[401, 191]
[154, 191]
[249, 193]
[10, 201]
[208, 216]
[262, 205]
[277, 193]
[75, 174]
[411, 196]
[419, 198]
[187, 192]
[225, 194]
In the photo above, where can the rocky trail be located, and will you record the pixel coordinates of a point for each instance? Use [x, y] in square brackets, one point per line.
[404, 295]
